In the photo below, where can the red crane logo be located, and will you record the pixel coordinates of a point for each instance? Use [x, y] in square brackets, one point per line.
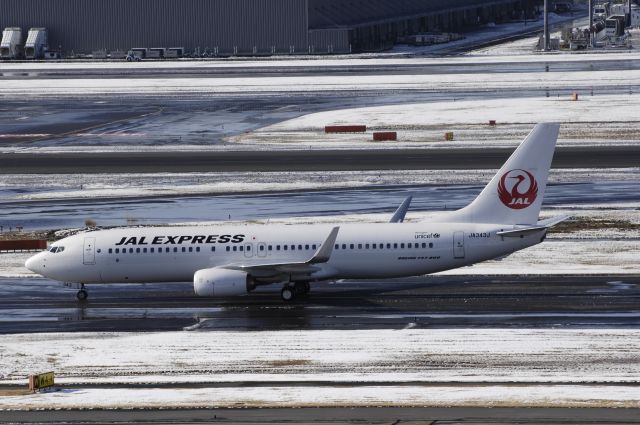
[518, 189]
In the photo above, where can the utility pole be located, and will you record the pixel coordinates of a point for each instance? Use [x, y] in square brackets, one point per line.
[546, 25]
[592, 37]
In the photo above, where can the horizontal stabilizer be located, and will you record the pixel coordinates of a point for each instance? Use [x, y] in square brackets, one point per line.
[525, 230]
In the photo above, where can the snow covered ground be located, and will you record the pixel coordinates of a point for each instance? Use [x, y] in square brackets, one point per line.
[506, 367]
[22, 187]
[592, 120]
[85, 87]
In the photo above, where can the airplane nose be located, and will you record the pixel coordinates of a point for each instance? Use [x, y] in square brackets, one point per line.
[32, 263]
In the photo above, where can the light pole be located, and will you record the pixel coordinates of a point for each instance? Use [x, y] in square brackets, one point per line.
[546, 25]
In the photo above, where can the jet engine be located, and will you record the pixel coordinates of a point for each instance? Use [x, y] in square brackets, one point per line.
[217, 282]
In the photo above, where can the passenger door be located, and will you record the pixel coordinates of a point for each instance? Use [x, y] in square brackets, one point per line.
[89, 252]
[458, 245]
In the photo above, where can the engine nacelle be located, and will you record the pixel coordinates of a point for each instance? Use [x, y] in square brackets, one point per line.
[217, 282]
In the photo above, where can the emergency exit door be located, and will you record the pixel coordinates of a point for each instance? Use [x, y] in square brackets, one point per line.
[89, 256]
[458, 245]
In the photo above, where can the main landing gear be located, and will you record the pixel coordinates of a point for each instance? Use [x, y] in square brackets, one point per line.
[291, 291]
[82, 293]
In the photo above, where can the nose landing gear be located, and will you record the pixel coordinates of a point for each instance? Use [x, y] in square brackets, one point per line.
[82, 293]
[291, 291]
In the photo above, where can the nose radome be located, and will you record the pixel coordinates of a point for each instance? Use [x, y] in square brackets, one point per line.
[31, 263]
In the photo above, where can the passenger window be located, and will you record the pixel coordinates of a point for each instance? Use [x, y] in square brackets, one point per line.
[285, 247]
[228, 248]
[152, 250]
[167, 249]
[352, 246]
[402, 246]
[261, 247]
[235, 248]
[270, 248]
[249, 248]
[299, 247]
[313, 247]
[344, 246]
[197, 249]
[175, 249]
[374, 246]
[241, 248]
[359, 246]
[388, 246]
[213, 248]
[130, 250]
[337, 246]
[110, 251]
[117, 250]
[366, 246]
[184, 249]
[190, 249]
[430, 244]
[395, 246]
[277, 247]
[306, 247]
[144, 250]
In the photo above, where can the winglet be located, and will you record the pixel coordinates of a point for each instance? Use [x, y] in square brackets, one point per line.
[401, 212]
[323, 253]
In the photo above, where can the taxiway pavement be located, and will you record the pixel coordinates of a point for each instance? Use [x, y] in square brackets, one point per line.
[335, 416]
[40, 305]
[303, 160]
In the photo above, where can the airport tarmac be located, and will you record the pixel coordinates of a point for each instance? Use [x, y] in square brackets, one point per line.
[324, 160]
[40, 305]
[336, 416]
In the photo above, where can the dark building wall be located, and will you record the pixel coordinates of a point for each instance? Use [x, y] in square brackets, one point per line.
[351, 13]
[330, 41]
[86, 25]
[244, 26]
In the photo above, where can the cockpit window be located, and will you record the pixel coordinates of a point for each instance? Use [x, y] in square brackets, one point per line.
[56, 249]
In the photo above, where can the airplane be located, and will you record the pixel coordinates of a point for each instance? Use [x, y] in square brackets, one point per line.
[224, 261]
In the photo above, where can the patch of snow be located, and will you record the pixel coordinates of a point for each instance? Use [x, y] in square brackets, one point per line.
[91, 186]
[326, 396]
[422, 125]
[578, 80]
[546, 367]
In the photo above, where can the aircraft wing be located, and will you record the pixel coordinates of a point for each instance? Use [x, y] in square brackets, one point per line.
[310, 266]
[401, 212]
[518, 231]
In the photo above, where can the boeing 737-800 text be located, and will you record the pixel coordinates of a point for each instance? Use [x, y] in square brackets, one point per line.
[234, 260]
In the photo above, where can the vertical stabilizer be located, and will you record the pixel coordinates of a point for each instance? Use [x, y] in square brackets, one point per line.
[515, 194]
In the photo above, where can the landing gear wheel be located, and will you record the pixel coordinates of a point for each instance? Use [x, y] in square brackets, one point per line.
[82, 293]
[288, 294]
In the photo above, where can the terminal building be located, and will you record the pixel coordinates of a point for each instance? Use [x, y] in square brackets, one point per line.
[248, 27]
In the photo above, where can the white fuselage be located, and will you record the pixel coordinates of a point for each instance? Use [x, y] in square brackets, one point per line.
[174, 254]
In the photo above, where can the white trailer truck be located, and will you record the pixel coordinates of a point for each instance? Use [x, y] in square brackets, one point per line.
[11, 44]
[36, 43]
